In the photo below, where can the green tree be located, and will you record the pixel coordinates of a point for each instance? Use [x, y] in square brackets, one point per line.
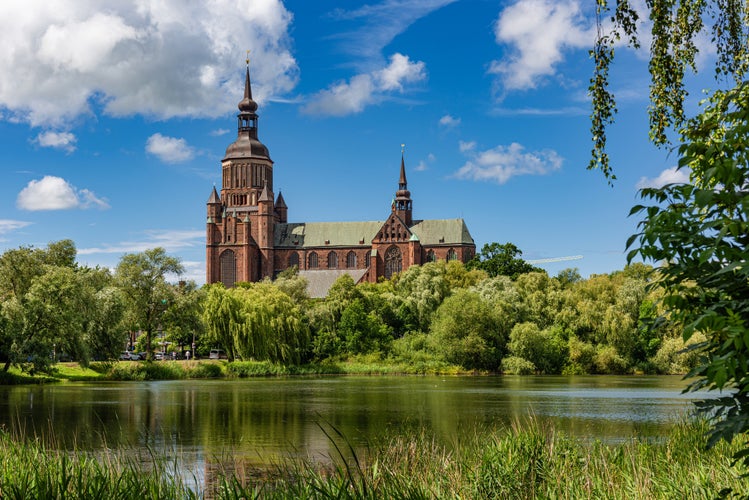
[697, 234]
[221, 310]
[35, 301]
[363, 332]
[143, 279]
[182, 320]
[676, 25]
[501, 260]
[465, 331]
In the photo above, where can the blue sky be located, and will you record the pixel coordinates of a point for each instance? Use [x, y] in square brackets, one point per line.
[114, 117]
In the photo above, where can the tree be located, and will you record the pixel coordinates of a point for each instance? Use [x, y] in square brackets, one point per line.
[142, 278]
[676, 24]
[467, 332]
[41, 302]
[182, 320]
[501, 260]
[698, 233]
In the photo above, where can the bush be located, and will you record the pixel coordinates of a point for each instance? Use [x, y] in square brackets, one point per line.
[205, 370]
[608, 361]
[672, 358]
[514, 365]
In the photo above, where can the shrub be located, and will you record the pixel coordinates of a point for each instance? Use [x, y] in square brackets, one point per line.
[515, 365]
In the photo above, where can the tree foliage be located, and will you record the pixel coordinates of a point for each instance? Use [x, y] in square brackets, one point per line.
[698, 233]
[676, 26]
[143, 279]
[501, 260]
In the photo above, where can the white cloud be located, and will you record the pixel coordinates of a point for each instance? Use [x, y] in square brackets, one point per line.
[55, 193]
[502, 163]
[345, 98]
[449, 121]
[538, 32]
[424, 164]
[58, 140]
[170, 240]
[219, 132]
[169, 149]
[465, 146]
[7, 225]
[160, 58]
[672, 175]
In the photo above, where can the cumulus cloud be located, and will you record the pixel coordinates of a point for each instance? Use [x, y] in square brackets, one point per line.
[672, 175]
[160, 58]
[219, 132]
[57, 140]
[8, 225]
[537, 33]
[465, 146]
[169, 149]
[55, 193]
[344, 98]
[449, 121]
[502, 163]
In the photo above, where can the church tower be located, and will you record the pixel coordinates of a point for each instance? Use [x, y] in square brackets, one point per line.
[402, 205]
[240, 222]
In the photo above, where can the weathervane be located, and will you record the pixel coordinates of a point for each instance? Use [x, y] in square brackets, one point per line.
[248, 58]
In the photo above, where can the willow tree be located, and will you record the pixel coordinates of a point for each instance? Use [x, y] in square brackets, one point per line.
[256, 322]
[676, 26]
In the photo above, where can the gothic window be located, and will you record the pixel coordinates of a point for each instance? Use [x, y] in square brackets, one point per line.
[294, 260]
[351, 259]
[467, 255]
[228, 268]
[393, 262]
[451, 255]
[431, 257]
[332, 260]
[313, 260]
[367, 258]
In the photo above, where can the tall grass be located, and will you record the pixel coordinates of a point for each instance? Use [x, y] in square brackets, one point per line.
[525, 461]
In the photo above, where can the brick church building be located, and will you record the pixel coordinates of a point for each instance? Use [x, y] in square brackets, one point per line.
[248, 236]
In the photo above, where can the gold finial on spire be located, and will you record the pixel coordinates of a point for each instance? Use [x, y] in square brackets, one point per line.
[247, 60]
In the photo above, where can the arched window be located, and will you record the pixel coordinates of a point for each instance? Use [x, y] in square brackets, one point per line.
[294, 260]
[313, 260]
[351, 259]
[393, 262]
[367, 258]
[332, 260]
[451, 255]
[431, 257]
[467, 255]
[228, 268]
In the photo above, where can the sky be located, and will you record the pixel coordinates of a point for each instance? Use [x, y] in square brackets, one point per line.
[115, 115]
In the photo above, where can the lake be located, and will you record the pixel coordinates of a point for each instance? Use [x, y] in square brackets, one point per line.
[269, 418]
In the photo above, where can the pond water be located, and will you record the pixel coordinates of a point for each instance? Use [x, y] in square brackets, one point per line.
[267, 419]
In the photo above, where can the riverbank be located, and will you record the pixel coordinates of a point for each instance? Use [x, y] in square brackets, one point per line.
[212, 369]
[526, 460]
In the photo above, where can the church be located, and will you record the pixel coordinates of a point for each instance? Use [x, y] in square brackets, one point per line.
[249, 237]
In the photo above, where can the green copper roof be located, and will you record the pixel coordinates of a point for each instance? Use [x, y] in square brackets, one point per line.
[442, 232]
[350, 234]
[316, 234]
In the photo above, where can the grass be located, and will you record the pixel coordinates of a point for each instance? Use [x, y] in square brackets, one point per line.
[203, 369]
[524, 461]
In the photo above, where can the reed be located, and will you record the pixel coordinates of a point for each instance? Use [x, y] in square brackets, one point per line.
[528, 460]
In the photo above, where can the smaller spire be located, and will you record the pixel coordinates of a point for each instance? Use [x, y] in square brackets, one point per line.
[402, 184]
[265, 195]
[280, 203]
[214, 198]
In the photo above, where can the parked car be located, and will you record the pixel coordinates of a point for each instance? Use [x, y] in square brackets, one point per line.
[135, 356]
[125, 355]
[217, 354]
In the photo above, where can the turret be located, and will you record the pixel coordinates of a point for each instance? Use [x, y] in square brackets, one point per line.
[402, 204]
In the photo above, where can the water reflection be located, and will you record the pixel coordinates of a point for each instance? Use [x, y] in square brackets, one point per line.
[267, 419]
